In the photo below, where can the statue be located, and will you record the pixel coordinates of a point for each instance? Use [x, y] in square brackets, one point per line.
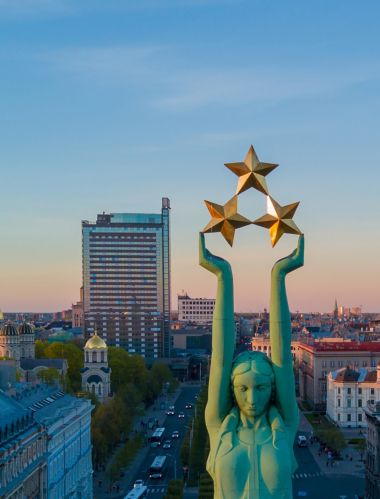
[251, 413]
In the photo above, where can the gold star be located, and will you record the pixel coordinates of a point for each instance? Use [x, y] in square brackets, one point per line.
[278, 220]
[225, 219]
[251, 172]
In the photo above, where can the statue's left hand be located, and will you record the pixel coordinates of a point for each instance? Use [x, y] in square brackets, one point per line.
[292, 262]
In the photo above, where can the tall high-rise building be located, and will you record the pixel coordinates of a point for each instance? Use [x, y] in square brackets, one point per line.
[126, 280]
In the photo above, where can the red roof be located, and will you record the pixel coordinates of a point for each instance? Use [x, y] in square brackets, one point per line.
[353, 346]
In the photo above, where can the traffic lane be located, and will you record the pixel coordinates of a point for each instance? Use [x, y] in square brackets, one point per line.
[171, 423]
[329, 487]
[305, 460]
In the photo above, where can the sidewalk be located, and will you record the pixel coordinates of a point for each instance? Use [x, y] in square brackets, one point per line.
[125, 482]
[346, 466]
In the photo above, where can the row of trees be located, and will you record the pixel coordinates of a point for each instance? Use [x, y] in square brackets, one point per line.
[133, 385]
[195, 449]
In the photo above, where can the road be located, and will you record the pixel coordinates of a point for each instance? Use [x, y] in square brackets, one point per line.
[157, 488]
[309, 480]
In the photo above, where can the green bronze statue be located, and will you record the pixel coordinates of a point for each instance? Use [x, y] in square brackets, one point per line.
[251, 413]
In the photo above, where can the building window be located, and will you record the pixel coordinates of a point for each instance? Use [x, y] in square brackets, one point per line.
[338, 402]
[348, 402]
[372, 391]
[348, 418]
[338, 391]
[359, 391]
[332, 363]
[338, 416]
[348, 391]
[360, 402]
[340, 363]
[360, 417]
[323, 363]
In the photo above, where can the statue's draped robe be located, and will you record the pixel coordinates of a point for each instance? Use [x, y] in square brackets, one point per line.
[251, 468]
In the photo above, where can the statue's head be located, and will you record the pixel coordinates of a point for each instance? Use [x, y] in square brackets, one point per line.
[252, 382]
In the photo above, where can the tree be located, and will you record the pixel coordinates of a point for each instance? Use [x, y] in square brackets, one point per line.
[175, 490]
[74, 357]
[39, 348]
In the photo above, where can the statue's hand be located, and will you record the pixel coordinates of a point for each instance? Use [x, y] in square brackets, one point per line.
[293, 261]
[214, 264]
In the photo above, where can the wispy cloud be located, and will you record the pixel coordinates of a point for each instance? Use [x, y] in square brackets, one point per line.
[178, 87]
[116, 64]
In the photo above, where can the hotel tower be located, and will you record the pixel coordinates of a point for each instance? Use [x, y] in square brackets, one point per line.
[126, 280]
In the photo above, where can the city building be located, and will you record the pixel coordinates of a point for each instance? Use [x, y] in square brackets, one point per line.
[66, 421]
[23, 451]
[195, 310]
[261, 343]
[192, 338]
[126, 280]
[317, 358]
[372, 461]
[17, 342]
[96, 375]
[348, 393]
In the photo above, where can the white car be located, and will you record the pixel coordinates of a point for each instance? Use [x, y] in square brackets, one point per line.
[301, 441]
[175, 434]
[167, 444]
[138, 483]
[181, 415]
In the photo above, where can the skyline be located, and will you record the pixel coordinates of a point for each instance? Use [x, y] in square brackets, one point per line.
[110, 108]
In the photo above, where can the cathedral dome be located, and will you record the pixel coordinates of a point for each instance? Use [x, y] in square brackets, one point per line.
[25, 328]
[95, 342]
[9, 329]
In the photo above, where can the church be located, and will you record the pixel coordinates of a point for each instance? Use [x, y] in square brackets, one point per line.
[96, 375]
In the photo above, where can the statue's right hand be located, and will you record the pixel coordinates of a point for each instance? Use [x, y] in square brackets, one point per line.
[207, 260]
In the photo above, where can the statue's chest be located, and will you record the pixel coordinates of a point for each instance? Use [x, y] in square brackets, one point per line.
[252, 470]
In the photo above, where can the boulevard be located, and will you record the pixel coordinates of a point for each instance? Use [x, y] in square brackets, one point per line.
[157, 487]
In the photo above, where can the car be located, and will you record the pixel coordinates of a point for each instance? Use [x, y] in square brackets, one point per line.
[188, 406]
[167, 444]
[170, 411]
[138, 483]
[175, 434]
[301, 441]
[181, 415]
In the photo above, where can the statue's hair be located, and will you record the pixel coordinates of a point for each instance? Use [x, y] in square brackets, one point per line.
[254, 361]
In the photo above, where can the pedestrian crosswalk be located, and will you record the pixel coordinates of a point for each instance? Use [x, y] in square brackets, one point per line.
[156, 490]
[306, 475]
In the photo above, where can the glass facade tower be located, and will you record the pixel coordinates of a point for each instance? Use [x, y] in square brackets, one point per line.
[126, 280]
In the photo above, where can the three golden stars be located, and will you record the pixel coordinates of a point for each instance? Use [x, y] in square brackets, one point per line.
[226, 219]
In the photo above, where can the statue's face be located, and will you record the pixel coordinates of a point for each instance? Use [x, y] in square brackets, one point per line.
[252, 393]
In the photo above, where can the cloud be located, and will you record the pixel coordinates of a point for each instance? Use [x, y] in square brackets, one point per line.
[171, 85]
[231, 86]
[116, 64]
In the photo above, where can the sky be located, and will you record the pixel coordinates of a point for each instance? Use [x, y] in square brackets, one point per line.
[112, 105]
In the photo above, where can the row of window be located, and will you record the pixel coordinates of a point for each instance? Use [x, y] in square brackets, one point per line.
[349, 391]
[349, 417]
[341, 363]
[349, 402]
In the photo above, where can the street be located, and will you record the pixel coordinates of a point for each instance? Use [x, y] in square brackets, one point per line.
[157, 487]
[309, 480]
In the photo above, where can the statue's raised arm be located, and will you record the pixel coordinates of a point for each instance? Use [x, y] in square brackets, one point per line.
[280, 336]
[223, 339]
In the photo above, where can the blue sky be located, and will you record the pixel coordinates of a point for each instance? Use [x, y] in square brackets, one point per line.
[109, 105]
